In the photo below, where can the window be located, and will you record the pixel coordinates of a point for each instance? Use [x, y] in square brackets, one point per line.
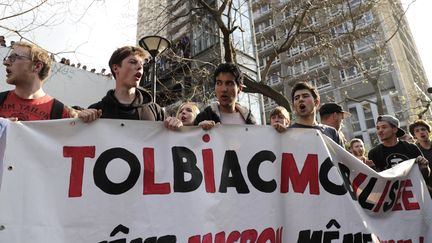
[365, 19]
[263, 9]
[349, 73]
[355, 123]
[397, 106]
[269, 104]
[344, 50]
[267, 24]
[316, 62]
[341, 29]
[274, 78]
[276, 60]
[203, 34]
[298, 68]
[263, 61]
[354, 3]
[312, 21]
[365, 43]
[295, 50]
[336, 10]
[323, 80]
[369, 119]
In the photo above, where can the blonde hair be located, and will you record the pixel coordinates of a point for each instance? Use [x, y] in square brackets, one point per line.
[194, 106]
[280, 110]
[37, 54]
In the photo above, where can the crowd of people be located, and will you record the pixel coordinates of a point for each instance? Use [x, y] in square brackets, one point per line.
[27, 66]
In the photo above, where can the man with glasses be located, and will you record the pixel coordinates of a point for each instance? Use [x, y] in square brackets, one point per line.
[27, 66]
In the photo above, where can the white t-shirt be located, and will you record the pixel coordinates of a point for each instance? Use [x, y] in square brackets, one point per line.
[232, 118]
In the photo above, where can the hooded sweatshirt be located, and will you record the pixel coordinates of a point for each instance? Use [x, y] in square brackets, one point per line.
[141, 108]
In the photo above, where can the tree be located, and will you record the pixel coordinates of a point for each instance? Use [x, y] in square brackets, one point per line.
[304, 31]
[67, 28]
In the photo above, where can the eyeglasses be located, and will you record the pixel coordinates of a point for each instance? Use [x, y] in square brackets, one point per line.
[13, 57]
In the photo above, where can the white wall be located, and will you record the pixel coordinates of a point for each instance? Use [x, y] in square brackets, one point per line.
[68, 84]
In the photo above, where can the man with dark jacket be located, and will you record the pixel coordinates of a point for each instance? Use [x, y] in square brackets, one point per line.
[420, 129]
[228, 84]
[306, 100]
[127, 101]
[141, 108]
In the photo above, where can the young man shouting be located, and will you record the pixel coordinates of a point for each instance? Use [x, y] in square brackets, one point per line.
[306, 100]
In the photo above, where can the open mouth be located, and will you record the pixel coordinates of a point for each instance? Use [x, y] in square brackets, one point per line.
[302, 106]
[138, 75]
[224, 97]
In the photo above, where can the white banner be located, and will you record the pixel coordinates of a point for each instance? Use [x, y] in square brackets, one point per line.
[124, 181]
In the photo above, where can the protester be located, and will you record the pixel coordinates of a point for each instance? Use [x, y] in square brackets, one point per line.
[306, 100]
[127, 101]
[391, 150]
[356, 147]
[228, 84]
[280, 118]
[187, 113]
[332, 114]
[27, 66]
[420, 129]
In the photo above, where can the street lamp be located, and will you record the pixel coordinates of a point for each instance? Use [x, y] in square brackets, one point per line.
[155, 45]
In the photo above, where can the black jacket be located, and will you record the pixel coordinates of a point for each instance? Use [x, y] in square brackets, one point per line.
[326, 130]
[142, 108]
[211, 113]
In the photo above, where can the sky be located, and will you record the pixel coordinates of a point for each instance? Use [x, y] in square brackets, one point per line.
[419, 17]
[87, 32]
[84, 31]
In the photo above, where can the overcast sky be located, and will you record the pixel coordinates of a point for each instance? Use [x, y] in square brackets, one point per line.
[108, 24]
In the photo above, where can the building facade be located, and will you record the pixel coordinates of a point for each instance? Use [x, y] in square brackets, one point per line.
[353, 51]
[185, 73]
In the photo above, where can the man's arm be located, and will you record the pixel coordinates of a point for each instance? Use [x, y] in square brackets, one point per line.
[423, 163]
[207, 119]
[372, 155]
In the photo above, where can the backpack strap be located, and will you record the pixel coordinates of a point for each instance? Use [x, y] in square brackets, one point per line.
[57, 110]
[3, 96]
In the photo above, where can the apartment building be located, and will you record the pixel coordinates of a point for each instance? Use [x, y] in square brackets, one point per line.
[185, 73]
[353, 51]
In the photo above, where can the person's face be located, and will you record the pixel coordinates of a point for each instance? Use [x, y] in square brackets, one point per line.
[357, 149]
[385, 131]
[421, 133]
[279, 118]
[19, 67]
[129, 73]
[187, 115]
[226, 89]
[304, 103]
